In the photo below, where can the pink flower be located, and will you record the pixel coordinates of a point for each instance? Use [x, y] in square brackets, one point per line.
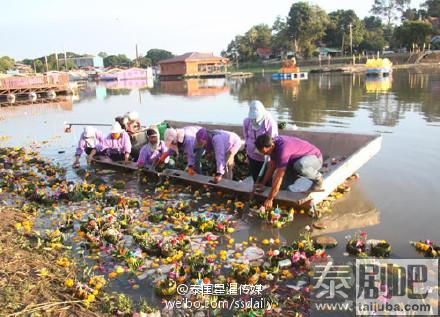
[297, 256]
[364, 234]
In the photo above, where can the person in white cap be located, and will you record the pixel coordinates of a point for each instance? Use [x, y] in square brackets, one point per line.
[258, 122]
[183, 140]
[116, 145]
[87, 142]
[130, 122]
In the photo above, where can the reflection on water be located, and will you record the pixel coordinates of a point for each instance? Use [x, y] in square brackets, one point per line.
[22, 108]
[194, 87]
[397, 183]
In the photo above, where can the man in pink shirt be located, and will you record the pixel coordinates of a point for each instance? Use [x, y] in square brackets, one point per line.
[286, 154]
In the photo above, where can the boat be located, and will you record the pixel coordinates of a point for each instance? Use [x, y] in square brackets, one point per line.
[344, 154]
[289, 71]
[379, 67]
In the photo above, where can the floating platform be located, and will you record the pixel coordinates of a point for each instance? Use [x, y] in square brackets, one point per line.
[353, 151]
[378, 71]
[292, 76]
[33, 87]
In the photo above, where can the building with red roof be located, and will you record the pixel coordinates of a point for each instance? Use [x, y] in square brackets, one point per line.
[194, 64]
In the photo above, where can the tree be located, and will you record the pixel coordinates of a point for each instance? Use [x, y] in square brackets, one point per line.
[389, 9]
[6, 63]
[412, 14]
[372, 23]
[102, 54]
[413, 32]
[374, 37]
[156, 55]
[307, 24]
[338, 30]
[281, 41]
[373, 41]
[39, 66]
[117, 60]
[245, 46]
[432, 8]
[144, 62]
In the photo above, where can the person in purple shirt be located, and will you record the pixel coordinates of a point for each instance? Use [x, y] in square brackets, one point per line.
[87, 142]
[225, 145]
[154, 152]
[116, 145]
[258, 122]
[288, 154]
[183, 140]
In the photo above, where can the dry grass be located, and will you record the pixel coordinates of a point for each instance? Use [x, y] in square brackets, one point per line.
[23, 291]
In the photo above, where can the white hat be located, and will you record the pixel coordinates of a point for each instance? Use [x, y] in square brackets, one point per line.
[256, 110]
[116, 128]
[132, 115]
[170, 136]
[89, 132]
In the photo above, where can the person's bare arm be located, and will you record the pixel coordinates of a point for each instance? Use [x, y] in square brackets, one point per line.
[267, 176]
[276, 185]
[91, 155]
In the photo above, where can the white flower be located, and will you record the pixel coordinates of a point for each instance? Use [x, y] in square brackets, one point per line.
[308, 228]
[276, 252]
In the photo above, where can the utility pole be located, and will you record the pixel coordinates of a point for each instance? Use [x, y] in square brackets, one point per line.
[137, 56]
[351, 38]
[47, 65]
[343, 38]
[56, 58]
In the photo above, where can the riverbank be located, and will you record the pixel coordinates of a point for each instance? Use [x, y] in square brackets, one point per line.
[33, 280]
[342, 64]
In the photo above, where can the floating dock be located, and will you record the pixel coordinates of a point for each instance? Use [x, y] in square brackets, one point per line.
[33, 87]
[292, 76]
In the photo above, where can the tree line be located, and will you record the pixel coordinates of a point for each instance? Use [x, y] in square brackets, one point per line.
[308, 26]
[57, 61]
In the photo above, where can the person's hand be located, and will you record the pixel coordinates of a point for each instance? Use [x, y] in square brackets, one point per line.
[75, 165]
[258, 187]
[217, 179]
[89, 159]
[268, 203]
[191, 171]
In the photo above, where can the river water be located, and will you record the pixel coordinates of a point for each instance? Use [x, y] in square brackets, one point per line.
[394, 199]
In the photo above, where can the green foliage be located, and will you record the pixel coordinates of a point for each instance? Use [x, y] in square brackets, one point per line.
[338, 30]
[6, 63]
[156, 55]
[102, 54]
[245, 46]
[389, 9]
[373, 41]
[117, 60]
[144, 62]
[281, 41]
[432, 8]
[417, 32]
[306, 25]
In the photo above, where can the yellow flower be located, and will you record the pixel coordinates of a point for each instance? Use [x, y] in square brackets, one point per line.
[43, 272]
[64, 262]
[18, 226]
[231, 241]
[265, 242]
[90, 297]
[112, 275]
[231, 230]
[69, 282]
[120, 270]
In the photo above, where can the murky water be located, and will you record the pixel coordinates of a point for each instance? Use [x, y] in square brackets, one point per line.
[396, 196]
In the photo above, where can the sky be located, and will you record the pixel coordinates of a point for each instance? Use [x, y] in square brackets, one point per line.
[33, 28]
